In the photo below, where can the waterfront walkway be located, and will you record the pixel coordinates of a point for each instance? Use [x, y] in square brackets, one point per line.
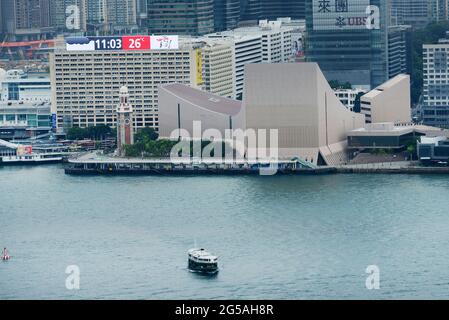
[94, 163]
[403, 167]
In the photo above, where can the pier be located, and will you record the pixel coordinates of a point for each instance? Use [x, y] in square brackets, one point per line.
[97, 164]
[94, 164]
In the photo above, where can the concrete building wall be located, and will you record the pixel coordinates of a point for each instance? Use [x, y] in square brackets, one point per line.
[389, 102]
[193, 106]
[86, 84]
[219, 68]
[297, 100]
[435, 102]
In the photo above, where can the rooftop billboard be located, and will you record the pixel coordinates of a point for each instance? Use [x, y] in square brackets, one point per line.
[122, 43]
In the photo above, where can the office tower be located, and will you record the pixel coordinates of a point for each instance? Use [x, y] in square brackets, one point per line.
[64, 11]
[181, 17]
[121, 14]
[26, 19]
[269, 42]
[96, 14]
[438, 10]
[250, 10]
[435, 96]
[1, 19]
[141, 12]
[273, 9]
[340, 41]
[399, 50]
[416, 13]
[226, 14]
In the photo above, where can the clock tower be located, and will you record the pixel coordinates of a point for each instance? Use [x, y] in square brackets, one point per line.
[125, 134]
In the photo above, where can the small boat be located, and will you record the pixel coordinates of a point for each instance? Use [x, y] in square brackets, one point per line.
[202, 261]
[5, 255]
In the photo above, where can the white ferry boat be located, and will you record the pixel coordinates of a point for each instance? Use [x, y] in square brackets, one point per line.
[202, 261]
[33, 158]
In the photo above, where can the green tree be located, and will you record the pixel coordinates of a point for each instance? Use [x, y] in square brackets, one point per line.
[146, 134]
[76, 133]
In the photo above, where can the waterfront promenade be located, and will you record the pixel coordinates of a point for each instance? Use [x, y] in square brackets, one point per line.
[98, 164]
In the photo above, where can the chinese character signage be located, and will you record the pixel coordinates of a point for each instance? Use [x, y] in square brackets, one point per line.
[340, 14]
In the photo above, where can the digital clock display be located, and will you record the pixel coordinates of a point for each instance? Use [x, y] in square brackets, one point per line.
[126, 43]
[107, 43]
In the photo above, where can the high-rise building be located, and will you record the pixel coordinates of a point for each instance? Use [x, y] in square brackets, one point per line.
[250, 10]
[97, 14]
[26, 19]
[226, 14]
[219, 67]
[418, 13]
[399, 50]
[344, 46]
[69, 15]
[121, 14]
[141, 12]
[438, 10]
[86, 83]
[229, 14]
[435, 102]
[269, 42]
[1, 19]
[273, 9]
[183, 17]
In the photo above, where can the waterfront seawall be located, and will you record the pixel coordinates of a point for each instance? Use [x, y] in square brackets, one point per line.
[404, 170]
[195, 171]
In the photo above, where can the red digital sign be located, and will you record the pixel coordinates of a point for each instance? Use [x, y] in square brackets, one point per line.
[136, 42]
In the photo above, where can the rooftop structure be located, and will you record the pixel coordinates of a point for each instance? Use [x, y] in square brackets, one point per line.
[434, 150]
[180, 105]
[390, 136]
[18, 85]
[20, 120]
[389, 102]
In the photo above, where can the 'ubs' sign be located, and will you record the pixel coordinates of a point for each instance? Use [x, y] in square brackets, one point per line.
[339, 14]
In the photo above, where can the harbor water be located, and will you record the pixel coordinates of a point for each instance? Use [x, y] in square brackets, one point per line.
[292, 237]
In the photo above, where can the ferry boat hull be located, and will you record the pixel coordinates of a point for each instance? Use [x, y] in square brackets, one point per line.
[209, 268]
[201, 261]
[30, 159]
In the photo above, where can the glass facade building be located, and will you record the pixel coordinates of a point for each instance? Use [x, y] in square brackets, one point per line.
[340, 41]
[229, 13]
[183, 17]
